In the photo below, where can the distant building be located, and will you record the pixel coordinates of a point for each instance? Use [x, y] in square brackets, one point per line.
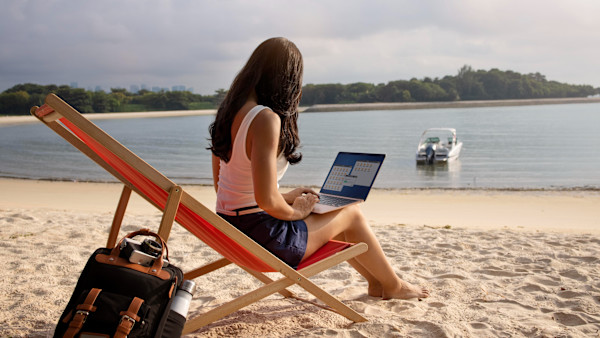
[135, 89]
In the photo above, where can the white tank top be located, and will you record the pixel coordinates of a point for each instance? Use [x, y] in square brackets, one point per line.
[236, 189]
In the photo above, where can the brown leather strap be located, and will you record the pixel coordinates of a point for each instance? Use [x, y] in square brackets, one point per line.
[156, 268]
[83, 311]
[129, 318]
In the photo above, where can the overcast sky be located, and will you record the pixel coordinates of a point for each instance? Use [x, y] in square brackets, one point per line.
[203, 44]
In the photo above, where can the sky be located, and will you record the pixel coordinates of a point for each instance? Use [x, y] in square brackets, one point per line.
[203, 44]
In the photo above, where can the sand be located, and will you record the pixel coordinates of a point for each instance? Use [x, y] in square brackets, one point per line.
[27, 119]
[498, 263]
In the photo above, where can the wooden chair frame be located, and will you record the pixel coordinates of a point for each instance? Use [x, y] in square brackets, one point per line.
[55, 111]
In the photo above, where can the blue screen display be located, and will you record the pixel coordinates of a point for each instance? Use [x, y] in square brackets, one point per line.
[352, 174]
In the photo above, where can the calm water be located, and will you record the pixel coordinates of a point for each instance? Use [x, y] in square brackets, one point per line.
[550, 146]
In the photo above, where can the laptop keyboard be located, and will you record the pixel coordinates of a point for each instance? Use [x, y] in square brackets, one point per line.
[334, 201]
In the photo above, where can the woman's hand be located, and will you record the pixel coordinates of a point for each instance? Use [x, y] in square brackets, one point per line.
[304, 204]
[291, 196]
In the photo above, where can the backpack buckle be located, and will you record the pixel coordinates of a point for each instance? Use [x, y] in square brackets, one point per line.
[85, 314]
[126, 317]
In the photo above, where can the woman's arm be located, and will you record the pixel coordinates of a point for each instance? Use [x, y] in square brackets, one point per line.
[216, 166]
[263, 138]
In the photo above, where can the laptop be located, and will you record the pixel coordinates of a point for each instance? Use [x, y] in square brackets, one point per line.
[349, 181]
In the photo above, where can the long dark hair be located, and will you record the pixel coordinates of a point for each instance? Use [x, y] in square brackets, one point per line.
[274, 72]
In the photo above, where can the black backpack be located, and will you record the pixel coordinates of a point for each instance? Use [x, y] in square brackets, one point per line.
[117, 298]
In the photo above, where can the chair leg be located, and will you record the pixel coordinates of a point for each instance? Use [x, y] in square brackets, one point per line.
[265, 279]
[206, 269]
[170, 212]
[279, 285]
[118, 218]
[223, 310]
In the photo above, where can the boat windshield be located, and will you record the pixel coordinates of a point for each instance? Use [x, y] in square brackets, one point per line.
[432, 140]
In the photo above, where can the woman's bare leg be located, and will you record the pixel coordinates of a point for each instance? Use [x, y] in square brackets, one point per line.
[373, 265]
[375, 289]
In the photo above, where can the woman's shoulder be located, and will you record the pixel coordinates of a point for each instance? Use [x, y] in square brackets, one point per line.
[266, 125]
[267, 116]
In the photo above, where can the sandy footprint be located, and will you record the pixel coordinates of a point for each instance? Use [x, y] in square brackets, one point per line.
[450, 276]
[568, 319]
[574, 274]
[480, 326]
[532, 288]
[398, 306]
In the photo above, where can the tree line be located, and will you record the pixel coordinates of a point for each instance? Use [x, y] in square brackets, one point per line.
[468, 84]
[18, 99]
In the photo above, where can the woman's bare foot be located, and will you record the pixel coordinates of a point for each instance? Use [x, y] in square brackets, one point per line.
[406, 291]
[375, 290]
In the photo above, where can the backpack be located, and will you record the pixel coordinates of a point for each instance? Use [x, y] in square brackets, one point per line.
[117, 298]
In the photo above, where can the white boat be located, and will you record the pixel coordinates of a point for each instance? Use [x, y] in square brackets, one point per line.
[438, 145]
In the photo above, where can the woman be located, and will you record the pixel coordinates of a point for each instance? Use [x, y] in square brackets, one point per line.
[253, 138]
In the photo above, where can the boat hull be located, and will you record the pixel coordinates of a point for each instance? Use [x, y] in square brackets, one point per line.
[452, 155]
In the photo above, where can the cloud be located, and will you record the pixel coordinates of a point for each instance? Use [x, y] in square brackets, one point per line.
[202, 44]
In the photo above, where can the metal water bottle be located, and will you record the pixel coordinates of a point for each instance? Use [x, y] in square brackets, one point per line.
[183, 297]
[179, 309]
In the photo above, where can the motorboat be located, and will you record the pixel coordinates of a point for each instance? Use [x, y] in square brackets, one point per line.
[438, 145]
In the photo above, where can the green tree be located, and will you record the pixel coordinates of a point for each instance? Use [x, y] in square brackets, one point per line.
[100, 102]
[118, 97]
[426, 91]
[178, 100]
[15, 103]
[394, 91]
[494, 84]
[467, 84]
[358, 92]
[219, 96]
[76, 97]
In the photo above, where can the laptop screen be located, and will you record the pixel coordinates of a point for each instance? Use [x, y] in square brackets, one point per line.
[352, 174]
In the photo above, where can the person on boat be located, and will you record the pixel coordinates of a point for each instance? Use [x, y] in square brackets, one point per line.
[253, 139]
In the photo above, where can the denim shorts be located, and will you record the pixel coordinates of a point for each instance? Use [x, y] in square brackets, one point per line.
[285, 239]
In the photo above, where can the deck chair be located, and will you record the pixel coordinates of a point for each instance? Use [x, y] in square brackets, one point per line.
[177, 205]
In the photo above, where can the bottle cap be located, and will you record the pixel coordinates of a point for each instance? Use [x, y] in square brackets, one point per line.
[188, 286]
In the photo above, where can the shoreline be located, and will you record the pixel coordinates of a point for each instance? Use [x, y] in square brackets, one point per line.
[445, 104]
[565, 211]
[585, 188]
[322, 108]
[27, 119]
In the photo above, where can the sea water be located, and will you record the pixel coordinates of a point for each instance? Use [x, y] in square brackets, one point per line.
[521, 147]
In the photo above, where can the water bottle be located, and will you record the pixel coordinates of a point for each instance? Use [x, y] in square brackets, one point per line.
[181, 302]
[179, 309]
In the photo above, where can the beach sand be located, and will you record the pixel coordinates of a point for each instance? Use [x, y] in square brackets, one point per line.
[498, 263]
[27, 119]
